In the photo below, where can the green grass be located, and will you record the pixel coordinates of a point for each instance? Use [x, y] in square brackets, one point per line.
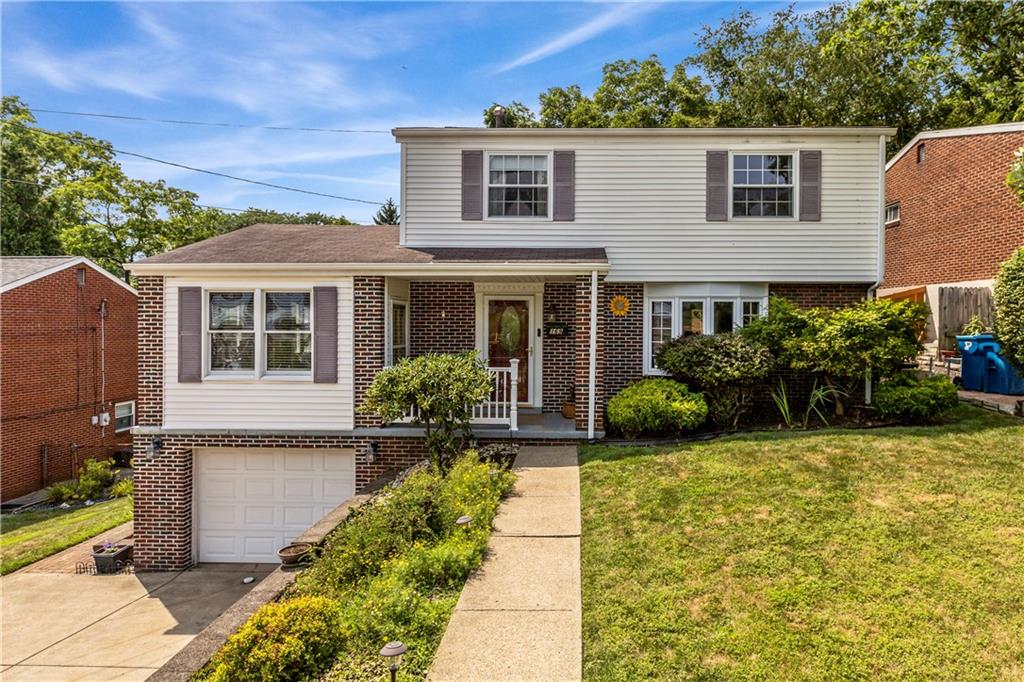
[860, 554]
[29, 537]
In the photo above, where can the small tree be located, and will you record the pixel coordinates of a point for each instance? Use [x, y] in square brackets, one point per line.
[1008, 296]
[872, 338]
[726, 367]
[388, 214]
[441, 389]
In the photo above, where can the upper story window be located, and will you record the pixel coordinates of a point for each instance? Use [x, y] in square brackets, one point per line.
[892, 213]
[517, 185]
[259, 332]
[762, 185]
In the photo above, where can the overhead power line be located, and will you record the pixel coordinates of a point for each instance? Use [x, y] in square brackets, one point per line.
[45, 186]
[175, 164]
[212, 124]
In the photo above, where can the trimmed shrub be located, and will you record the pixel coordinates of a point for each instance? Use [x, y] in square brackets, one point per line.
[59, 493]
[725, 367]
[1008, 296]
[654, 407]
[778, 331]
[95, 476]
[908, 399]
[123, 488]
[289, 640]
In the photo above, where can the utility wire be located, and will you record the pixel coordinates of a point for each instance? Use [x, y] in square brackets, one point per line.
[65, 136]
[213, 124]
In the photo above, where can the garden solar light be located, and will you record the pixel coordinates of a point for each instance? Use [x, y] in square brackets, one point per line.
[393, 652]
[463, 521]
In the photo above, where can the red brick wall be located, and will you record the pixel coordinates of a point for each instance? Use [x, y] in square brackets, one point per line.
[623, 338]
[51, 375]
[368, 344]
[820, 295]
[151, 351]
[442, 317]
[958, 220]
[559, 353]
[582, 337]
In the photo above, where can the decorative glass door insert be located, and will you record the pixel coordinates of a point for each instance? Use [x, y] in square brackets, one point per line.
[508, 337]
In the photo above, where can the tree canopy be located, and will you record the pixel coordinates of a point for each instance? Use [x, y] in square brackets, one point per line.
[910, 64]
[65, 193]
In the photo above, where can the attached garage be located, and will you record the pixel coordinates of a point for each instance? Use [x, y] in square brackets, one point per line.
[250, 502]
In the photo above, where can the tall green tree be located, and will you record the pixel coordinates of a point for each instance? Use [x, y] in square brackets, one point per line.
[228, 221]
[388, 214]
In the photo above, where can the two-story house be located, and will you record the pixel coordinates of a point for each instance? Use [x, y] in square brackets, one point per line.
[950, 221]
[563, 257]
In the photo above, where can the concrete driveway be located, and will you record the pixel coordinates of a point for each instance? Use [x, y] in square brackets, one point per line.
[61, 626]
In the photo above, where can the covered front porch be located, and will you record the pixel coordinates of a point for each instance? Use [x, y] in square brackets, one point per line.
[538, 331]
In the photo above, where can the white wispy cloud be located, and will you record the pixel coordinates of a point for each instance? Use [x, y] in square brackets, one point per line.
[611, 18]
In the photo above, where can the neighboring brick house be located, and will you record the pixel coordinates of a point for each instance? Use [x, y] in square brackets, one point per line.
[68, 353]
[569, 254]
[950, 221]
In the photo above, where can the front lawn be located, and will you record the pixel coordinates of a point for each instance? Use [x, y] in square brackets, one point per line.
[893, 553]
[31, 536]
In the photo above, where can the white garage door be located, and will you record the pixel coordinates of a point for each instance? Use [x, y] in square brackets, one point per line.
[251, 502]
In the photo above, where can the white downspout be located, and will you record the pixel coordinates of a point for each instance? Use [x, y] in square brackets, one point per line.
[880, 270]
[592, 371]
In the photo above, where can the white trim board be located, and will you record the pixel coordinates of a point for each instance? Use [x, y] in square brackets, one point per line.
[80, 260]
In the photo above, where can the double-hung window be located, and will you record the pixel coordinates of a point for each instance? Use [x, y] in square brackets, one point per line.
[288, 333]
[661, 325]
[892, 213]
[231, 331]
[259, 333]
[517, 185]
[762, 185]
[124, 416]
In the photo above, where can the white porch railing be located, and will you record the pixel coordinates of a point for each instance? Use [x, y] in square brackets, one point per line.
[502, 406]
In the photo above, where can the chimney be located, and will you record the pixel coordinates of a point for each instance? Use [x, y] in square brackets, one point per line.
[499, 116]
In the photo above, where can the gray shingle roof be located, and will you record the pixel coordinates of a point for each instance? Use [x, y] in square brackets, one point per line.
[265, 243]
[13, 268]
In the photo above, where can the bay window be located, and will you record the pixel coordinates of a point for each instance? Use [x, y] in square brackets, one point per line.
[399, 331]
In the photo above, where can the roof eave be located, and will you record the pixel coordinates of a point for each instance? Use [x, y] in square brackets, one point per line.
[405, 133]
[387, 269]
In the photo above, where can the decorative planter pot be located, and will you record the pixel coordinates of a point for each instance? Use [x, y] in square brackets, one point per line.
[111, 558]
[569, 409]
[294, 553]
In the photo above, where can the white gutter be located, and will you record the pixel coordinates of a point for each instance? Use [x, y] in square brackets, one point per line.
[386, 269]
[881, 245]
[592, 370]
[596, 133]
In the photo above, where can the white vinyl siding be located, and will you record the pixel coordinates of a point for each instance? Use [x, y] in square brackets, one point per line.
[643, 200]
[270, 402]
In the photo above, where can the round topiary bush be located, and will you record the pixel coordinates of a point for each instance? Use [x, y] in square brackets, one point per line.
[1008, 296]
[296, 639]
[655, 407]
[908, 399]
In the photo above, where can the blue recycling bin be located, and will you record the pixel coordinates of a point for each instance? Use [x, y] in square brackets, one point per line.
[1000, 374]
[973, 360]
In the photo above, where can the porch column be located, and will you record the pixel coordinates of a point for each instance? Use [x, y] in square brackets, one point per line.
[589, 370]
[368, 350]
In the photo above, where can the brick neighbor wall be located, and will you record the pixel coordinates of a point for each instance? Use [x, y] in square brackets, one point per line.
[623, 338]
[958, 219]
[368, 342]
[582, 338]
[51, 376]
[442, 317]
[820, 295]
[559, 353]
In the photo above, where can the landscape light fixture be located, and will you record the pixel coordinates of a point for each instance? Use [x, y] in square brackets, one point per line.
[463, 521]
[393, 651]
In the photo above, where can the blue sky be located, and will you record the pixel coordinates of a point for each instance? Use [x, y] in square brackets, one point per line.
[333, 65]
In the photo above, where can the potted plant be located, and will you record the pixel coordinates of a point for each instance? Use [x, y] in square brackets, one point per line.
[110, 557]
[294, 553]
[569, 406]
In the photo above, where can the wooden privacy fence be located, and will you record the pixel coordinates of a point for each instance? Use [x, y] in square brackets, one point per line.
[957, 305]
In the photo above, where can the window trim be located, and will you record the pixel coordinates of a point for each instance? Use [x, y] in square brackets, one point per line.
[795, 154]
[486, 185]
[895, 221]
[707, 323]
[259, 372]
[117, 405]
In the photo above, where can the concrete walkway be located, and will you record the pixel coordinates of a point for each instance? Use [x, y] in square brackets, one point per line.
[519, 616]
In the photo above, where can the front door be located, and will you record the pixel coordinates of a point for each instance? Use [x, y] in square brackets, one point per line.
[508, 336]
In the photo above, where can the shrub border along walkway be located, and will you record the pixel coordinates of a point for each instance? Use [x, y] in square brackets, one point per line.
[201, 649]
